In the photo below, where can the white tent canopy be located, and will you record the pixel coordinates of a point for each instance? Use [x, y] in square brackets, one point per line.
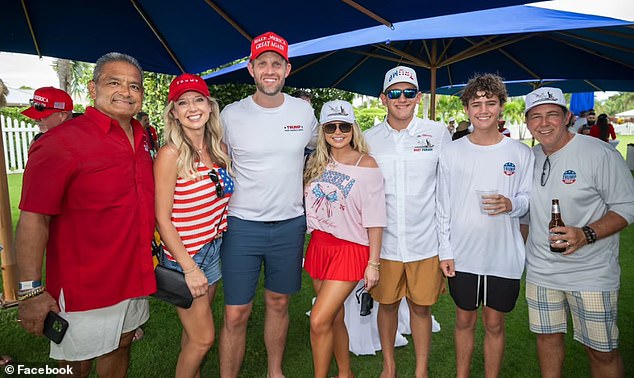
[629, 113]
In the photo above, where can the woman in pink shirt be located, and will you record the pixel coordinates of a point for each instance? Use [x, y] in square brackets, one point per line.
[345, 214]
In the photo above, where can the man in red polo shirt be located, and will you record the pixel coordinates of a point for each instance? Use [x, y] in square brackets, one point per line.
[88, 200]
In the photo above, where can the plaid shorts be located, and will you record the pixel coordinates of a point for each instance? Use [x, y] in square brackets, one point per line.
[594, 315]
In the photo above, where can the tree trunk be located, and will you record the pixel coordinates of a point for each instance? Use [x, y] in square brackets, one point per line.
[64, 74]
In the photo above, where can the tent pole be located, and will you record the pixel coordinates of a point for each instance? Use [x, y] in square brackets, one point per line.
[9, 268]
[432, 81]
[432, 90]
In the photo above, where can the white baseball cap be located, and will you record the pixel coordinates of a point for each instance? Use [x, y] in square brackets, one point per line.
[336, 110]
[400, 74]
[544, 95]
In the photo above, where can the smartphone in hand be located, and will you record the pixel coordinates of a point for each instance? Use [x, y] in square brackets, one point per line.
[55, 327]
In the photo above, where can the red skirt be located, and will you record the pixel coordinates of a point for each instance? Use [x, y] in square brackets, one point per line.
[330, 258]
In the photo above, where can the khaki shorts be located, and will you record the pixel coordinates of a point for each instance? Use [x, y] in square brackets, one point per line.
[420, 281]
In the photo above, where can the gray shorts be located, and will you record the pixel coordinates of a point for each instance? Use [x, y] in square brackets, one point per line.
[248, 244]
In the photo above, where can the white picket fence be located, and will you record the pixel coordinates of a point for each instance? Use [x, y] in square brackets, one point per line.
[16, 136]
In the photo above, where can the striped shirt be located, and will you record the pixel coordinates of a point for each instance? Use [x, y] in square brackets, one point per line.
[198, 215]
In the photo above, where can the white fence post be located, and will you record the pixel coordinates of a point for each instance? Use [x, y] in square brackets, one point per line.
[16, 136]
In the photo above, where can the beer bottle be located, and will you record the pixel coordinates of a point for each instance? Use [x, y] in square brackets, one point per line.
[555, 221]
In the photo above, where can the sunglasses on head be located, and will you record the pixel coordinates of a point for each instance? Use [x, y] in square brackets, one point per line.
[38, 106]
[213, 175]
[394, 94]
[344, 127]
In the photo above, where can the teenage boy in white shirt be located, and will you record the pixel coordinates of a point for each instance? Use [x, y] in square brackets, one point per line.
[407, 149]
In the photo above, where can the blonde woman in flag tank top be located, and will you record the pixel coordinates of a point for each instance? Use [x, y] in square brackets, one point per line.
[192, 192]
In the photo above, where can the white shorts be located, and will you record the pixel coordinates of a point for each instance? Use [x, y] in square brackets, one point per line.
[94, 333]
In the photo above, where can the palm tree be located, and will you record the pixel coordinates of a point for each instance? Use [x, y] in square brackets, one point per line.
[449, 106]
[73, 76]
[514, 113]
[63, 68]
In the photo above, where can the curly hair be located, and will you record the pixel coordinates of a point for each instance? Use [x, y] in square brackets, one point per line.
[491, 84]
[321, 157]
[187, 154]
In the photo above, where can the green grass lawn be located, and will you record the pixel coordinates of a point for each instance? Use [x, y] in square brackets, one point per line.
[156, 354]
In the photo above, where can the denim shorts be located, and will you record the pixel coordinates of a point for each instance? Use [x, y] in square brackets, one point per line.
[207, 259]
[249, 245]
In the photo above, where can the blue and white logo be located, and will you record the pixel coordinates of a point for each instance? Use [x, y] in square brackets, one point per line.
[569, 177]
[509, 168]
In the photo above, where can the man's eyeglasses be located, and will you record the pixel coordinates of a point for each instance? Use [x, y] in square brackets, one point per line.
[394, 94]
[38, 106]
[344, 127]
[545, 171]
[213, 175]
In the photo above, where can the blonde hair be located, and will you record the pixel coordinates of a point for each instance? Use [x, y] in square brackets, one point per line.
[187, 162]
[321, 157]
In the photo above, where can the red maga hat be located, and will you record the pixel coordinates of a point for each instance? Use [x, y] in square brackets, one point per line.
[46, 101]
[185, 83]
[269, 42]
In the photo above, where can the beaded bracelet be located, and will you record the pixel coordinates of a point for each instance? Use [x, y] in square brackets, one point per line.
[31, 293]
[591, 235]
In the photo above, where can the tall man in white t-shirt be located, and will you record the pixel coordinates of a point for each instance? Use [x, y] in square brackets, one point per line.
[596, 196]
[266, 134]
[486, 246]
[407, 150]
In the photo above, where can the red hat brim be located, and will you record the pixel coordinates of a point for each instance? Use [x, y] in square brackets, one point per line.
[35, 114]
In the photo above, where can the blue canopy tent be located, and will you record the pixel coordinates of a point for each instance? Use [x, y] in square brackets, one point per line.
[581, 101]
[447, 50]
[194, 35]
[185, 36]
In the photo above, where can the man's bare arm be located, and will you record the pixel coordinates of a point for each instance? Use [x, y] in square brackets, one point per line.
[30, 242]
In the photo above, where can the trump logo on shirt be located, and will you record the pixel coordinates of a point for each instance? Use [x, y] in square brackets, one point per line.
[569, 177]
[509, 168]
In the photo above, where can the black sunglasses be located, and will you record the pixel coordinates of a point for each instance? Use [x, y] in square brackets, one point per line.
[394, 94]
[38, 106]
[344, 127]
[545, 171]
[213, 175]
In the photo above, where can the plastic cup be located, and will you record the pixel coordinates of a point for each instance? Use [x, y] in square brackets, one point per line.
[481, 193]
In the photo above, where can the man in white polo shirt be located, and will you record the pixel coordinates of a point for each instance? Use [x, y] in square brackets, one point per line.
[407, 150]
